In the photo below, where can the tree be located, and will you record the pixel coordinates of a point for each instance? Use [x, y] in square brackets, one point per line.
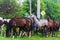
[38, 9]
[53, 8]
[26, 6]
[9, 8]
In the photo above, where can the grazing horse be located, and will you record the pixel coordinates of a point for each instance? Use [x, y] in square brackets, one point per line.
[41, 24]
[24, 24]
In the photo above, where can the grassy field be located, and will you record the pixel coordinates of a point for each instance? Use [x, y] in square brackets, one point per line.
[31, 38]
[34, 37]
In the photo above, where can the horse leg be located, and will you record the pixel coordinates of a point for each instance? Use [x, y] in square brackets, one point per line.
[20, 32]
[0, 29]
[26, 32]
[7, 32]
[35, 30]
[14, 32]
[53, 32]
[2, 32]
[30, 34]
[42, 31]
[46, 31]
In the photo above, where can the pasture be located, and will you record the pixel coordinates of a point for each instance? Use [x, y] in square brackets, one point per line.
[36, 37]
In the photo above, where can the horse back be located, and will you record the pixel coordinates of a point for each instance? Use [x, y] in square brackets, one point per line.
[18, 22]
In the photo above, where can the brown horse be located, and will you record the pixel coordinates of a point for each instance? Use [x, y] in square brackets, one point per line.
[53, 26]
[29, 25]
[24, 24]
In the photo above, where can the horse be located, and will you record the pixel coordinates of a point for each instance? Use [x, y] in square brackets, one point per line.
[53, 26]
[29, 26]
[41, 24]
[56, 28]
[14, 23]
[24, 24]
[8, 24]
[1, 25]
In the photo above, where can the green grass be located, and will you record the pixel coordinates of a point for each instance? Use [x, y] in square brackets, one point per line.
[31, 38]
[34, 37]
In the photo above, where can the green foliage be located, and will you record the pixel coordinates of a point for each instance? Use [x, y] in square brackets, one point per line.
[43, 5]
[26, 6]
[51, 7]
[1, 1]
[9, 9]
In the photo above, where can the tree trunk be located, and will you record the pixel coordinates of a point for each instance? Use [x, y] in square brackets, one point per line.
[38, 9]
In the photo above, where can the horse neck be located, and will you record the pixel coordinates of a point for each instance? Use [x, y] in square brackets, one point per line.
[36, 20]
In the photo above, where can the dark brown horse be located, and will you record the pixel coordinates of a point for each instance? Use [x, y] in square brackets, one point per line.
[15, 23]
[24, 24]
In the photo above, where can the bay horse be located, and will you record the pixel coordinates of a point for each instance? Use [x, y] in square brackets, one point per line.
[24, 24]
[14, 23]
